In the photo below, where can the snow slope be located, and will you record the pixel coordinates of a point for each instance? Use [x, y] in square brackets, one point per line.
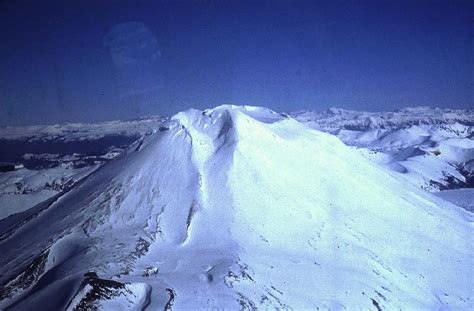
[22, 189]
[432, 148]
[56, 156]
[239, 207]
[460, 197]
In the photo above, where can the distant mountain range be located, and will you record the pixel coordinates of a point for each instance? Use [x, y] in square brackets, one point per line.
[335, 119]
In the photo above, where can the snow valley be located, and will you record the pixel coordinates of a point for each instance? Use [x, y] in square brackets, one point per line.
[241, 207]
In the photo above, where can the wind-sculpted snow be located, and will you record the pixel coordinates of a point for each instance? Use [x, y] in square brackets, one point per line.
[239, 208]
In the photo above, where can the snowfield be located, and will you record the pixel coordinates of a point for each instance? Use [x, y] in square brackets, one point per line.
[241, 208]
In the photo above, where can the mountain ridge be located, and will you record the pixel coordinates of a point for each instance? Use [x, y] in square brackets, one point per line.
[223, 209]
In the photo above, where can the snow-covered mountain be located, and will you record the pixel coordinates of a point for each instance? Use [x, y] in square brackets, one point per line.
[432, 148]
[239, 208]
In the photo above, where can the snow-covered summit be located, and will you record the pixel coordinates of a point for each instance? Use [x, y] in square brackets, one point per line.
[238, 207]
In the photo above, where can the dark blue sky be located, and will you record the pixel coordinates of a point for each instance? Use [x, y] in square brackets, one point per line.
[70, 60]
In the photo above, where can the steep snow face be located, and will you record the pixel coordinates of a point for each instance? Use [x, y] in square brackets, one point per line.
[239, 207]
